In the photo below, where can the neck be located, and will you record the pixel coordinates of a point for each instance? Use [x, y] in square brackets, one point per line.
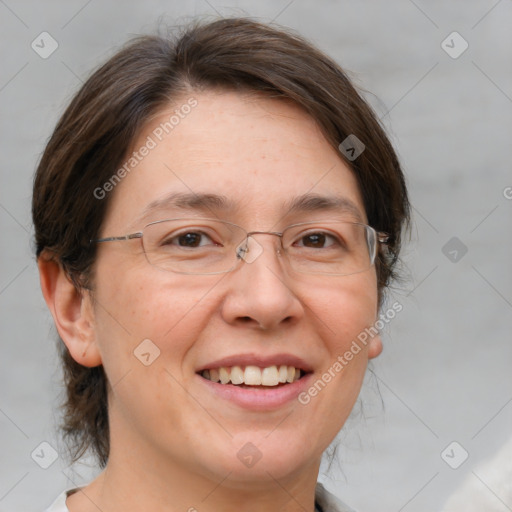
[167, 485]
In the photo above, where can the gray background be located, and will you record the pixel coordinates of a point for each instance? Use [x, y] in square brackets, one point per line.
[445, 372]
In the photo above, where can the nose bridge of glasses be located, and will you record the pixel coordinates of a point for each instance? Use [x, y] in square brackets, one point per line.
[251, 249]
[274, 233]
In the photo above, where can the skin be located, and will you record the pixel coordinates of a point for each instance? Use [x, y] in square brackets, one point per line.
[173, 442]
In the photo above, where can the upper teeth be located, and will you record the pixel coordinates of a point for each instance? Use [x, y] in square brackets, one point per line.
[253, 375]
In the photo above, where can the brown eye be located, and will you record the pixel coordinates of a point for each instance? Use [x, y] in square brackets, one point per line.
[314, 240]
[189, 239]
[317, 240]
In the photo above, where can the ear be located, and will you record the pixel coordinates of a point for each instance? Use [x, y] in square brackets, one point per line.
[72, 311]
[375, 347]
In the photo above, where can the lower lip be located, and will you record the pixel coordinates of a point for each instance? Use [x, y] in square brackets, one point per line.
[258, 399]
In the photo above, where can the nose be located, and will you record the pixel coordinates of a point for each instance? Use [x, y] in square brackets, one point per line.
[261, 294]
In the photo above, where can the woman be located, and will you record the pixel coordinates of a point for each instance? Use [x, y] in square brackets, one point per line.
[217, 218]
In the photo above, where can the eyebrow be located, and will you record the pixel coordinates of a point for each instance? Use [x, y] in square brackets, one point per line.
[214, 204]
[206, 203]
[319, 203]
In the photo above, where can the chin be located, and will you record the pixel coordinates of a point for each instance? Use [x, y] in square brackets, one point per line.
[258, 460]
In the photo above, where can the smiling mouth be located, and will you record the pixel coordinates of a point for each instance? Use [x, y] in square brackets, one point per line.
[253, 376]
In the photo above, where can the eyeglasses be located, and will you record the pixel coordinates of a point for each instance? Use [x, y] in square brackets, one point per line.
[211, 246]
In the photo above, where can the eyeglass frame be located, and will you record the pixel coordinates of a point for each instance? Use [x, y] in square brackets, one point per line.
[381, 238]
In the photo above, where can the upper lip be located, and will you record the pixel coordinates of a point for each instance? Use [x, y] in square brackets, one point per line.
[258, 360]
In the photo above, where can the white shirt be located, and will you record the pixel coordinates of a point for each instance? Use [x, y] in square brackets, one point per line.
[327, 501]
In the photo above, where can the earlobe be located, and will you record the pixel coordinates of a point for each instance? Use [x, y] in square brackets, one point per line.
[72, 311]
[375, 347]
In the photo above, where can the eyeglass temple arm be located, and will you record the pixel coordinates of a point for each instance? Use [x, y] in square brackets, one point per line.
[116, 238]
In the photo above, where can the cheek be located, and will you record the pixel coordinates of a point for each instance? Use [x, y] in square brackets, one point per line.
[341, 313]
[150, 305]
[348, 309]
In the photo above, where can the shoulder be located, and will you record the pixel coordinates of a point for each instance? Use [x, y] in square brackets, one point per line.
[328, 502]
[59, 505]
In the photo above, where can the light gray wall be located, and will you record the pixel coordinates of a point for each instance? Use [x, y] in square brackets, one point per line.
[444, 375]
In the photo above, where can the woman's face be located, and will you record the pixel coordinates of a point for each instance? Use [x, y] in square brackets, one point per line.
[260, 155]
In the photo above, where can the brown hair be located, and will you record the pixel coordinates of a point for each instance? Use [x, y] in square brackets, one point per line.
[98, 128]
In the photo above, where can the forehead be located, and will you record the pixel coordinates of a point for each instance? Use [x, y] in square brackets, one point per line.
[262, 157]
